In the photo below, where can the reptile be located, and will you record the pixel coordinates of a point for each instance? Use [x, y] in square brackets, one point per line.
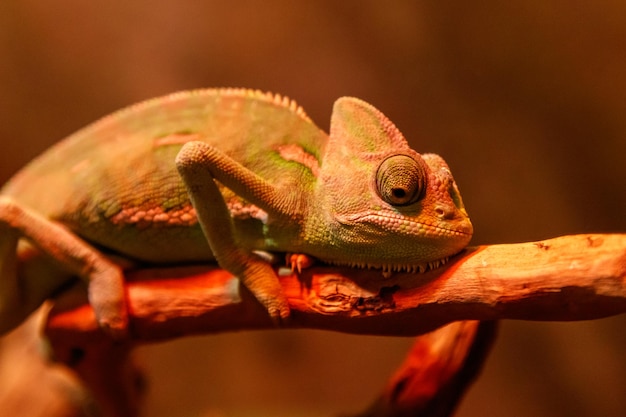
[219, 175]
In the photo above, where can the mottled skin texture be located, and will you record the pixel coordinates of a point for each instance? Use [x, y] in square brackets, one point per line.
[218, 174]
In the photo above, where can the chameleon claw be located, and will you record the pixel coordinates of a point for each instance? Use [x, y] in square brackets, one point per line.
[116, 327]
[279, 315]
[108, 299]
[259, 278]
[299, 261]
[277, 308]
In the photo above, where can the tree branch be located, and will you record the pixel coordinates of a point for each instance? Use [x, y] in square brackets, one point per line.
[568, 278]
[436, 372]
[577, 277]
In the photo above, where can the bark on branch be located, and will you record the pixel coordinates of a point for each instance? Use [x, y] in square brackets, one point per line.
[577, 277]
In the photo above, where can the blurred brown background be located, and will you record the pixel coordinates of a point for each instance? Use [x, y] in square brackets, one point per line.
[526, 100]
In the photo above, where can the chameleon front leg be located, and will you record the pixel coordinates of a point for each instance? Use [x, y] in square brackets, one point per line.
[199, 164]
[17, 299]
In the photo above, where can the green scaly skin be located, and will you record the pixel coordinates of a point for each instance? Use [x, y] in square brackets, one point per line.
[140, 183]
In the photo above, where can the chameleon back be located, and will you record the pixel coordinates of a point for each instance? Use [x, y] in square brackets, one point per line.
[115, 182]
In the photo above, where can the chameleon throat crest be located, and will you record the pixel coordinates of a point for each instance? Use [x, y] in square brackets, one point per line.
[389, 269]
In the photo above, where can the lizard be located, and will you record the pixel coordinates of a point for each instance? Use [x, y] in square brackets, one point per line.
[218, 175]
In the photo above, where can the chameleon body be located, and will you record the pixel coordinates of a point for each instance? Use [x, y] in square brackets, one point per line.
[216, 175]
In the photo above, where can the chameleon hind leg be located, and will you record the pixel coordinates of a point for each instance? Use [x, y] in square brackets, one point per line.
[199, 165]
[23, 290]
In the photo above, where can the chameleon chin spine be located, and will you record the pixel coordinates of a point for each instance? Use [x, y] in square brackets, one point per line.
[389, 269]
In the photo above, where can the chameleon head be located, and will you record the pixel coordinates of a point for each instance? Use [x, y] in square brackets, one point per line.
[381, 204]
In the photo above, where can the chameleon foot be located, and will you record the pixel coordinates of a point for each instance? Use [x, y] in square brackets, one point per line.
[299, 261]
[260, 279]
[74, 258]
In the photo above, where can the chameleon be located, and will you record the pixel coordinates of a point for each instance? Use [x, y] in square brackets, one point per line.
[221, 175]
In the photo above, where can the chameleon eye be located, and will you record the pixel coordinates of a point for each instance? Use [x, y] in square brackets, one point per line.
[401, 180]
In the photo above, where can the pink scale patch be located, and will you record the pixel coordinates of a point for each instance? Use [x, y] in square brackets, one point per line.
[155, 216]
[293, 152]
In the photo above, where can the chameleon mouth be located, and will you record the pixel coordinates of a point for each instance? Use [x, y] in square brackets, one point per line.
[389, 269]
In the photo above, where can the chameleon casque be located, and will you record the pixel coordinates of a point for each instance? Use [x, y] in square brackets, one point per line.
[218, 174]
